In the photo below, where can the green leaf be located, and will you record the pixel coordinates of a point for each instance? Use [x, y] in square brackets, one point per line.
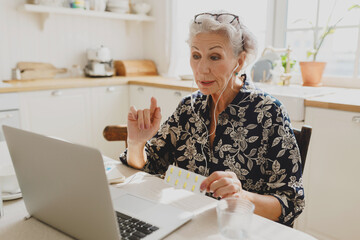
[354, 7]
[309, 54]
[331, 31]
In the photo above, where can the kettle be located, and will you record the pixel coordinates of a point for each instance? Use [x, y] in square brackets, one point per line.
[99, 63]
[101, 54]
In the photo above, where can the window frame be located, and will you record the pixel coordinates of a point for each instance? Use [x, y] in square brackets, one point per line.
[279, 40]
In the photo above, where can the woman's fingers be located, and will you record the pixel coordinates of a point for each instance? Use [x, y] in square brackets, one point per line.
[140, 117]
[227, 189]
[221, 184]
[147, 122]
[146, 118]
[153, 106]
[215, 185]
[156, 119]
[205, 185]
[132, 113]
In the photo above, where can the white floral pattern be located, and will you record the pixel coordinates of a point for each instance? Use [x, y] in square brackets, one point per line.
[253, 139]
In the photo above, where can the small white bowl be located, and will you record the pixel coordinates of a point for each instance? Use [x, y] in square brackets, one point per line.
[141, 8]
[118, 4]
[118, 10]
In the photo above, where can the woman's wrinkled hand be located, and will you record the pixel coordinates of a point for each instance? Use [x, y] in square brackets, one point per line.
[143, 124]
[222, 184]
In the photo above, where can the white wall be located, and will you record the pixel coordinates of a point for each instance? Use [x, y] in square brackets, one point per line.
[156, 35]
[65, 38]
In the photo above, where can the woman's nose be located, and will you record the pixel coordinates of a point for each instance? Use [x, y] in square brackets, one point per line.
[203, 67]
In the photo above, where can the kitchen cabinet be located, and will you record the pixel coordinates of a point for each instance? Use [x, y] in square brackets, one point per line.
[109, 106]
[61, 113]
[9, 112]
[331, 175]
[167, 99]
[80, 115]
[139, 96]
[77, 115]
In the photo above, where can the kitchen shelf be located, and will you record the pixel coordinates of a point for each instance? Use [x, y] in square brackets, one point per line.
[46, 11]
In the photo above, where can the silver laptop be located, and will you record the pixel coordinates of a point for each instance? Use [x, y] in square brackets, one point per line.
[64, 185]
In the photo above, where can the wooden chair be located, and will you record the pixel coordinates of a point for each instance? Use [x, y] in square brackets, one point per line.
[116, 133]
[119, 133]
[303, 140]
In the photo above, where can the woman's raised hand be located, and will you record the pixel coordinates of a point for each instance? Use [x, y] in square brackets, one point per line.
[143, 124]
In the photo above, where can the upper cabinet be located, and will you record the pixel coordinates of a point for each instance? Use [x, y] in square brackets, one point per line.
[47, 11]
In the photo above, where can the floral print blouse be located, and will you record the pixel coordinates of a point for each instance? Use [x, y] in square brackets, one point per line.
[253, 139]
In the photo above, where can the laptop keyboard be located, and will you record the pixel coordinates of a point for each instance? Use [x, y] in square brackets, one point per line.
[132, 228]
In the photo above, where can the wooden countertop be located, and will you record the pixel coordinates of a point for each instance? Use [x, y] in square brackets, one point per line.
[341, 99]
[344, 100]
[62, 83]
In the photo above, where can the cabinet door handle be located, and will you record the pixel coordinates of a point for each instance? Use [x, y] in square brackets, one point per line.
[110, 89]
[56, 93]
[6, 116]
[177, 94]
[356, 119]
[140, 89]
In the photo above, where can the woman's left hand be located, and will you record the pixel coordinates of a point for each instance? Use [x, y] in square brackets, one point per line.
[222, 184]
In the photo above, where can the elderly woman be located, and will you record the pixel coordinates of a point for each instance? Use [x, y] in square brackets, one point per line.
[231, 132]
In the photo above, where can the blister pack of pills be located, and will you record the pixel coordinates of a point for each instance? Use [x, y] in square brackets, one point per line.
[184, 179]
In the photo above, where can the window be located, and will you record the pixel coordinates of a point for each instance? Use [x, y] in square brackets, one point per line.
[277, 23]
[253, 13]
[341, 50]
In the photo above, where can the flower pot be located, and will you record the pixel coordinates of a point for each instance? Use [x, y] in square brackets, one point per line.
[312, 73]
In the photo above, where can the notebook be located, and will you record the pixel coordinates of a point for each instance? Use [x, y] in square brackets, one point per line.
[65, 186]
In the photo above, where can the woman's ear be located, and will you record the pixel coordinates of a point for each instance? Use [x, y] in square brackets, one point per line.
[241, 60]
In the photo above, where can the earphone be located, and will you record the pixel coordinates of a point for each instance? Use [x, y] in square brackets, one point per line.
[197, 117]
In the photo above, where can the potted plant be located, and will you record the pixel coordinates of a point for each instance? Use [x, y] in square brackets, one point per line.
[312, 71]
[282, 69]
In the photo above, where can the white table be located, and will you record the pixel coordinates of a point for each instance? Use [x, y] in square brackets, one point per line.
[202, 226]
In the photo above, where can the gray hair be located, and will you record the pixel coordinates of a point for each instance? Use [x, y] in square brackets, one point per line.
[240, 37]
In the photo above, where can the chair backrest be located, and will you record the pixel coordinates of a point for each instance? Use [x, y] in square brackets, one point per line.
[119, 133]
[303, 139]
[116, 133]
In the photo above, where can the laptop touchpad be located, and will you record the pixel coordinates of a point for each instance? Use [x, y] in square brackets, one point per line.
[131, 203]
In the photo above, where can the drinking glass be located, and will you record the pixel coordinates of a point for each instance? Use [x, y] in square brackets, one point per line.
[234, 217]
